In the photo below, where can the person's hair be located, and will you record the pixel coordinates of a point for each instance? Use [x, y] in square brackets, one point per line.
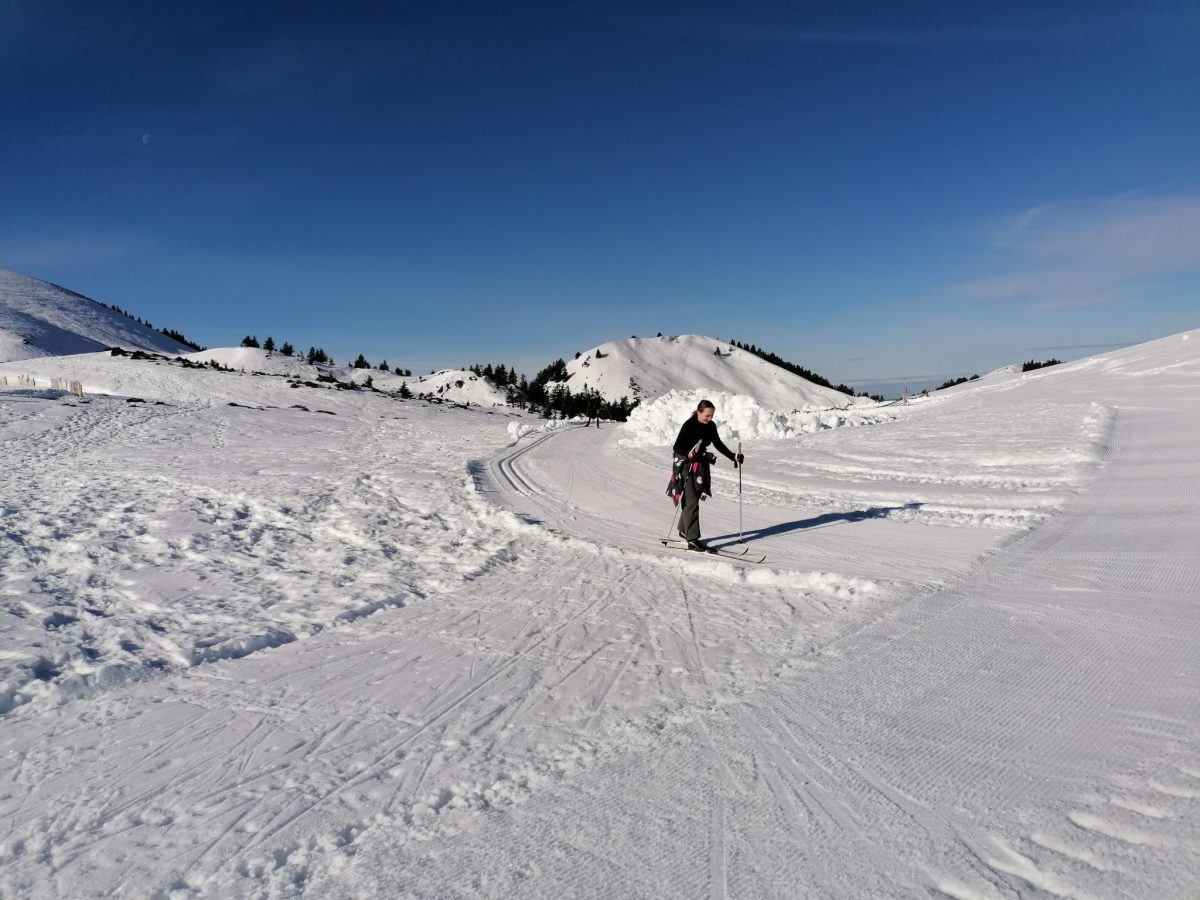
[703, 405]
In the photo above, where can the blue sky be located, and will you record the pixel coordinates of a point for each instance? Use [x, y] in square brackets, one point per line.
[876, 191]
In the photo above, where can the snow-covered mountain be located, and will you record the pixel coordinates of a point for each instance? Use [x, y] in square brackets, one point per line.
[646, 368]
[38, 318]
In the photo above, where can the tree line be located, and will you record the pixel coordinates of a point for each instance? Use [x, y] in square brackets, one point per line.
[169, 332]
[1034, 364]
[317, 355]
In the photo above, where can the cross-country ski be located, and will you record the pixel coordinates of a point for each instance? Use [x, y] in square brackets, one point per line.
[743, 555]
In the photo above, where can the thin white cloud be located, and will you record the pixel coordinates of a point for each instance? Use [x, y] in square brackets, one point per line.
[25, 252]
[897, 37]
[1082, 254]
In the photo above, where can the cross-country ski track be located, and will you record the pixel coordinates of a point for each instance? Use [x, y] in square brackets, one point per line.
[949, 679]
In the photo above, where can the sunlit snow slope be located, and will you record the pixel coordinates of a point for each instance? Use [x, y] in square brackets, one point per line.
[646, 368]
[38, 318]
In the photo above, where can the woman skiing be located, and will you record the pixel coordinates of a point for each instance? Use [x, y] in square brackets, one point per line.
[691, 466]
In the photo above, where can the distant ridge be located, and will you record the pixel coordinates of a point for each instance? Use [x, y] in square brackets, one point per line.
[38, 318]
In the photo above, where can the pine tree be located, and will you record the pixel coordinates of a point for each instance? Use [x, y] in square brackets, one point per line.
[383, 366]
[287, 350]
[250, 341]
[361, 362]
[405, 393]
[269, 345]
[556, 371]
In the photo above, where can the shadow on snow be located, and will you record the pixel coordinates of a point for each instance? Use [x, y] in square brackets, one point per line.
[822, 521]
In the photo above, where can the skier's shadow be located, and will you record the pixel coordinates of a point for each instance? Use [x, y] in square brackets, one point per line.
[823, 521]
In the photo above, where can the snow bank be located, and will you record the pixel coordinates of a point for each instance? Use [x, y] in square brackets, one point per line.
[738, 417]
[522, 429]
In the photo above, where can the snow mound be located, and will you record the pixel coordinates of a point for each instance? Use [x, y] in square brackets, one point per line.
[39, 319]
[254, 359]
[738, 418]
[458, 386]
[646, 368]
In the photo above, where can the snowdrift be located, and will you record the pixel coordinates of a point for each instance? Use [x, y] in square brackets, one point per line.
[738, 417]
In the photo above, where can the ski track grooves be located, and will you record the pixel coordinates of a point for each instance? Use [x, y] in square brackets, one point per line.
[388, 754]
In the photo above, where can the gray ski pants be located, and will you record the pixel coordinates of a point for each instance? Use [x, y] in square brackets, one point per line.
[689, 511]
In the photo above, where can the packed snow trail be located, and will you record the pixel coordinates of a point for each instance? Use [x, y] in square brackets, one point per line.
[1031, 731]
[500, 657]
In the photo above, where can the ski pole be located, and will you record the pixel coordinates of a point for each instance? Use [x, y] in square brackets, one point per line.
[674, 516]
[739, 468]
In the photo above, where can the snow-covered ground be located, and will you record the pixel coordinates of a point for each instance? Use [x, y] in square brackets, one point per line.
[332, 644]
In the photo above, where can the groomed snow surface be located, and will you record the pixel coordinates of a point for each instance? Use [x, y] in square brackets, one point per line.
[265, 639]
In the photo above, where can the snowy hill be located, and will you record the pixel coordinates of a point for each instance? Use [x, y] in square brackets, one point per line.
[457, 386]
[38, 318]
[253, 359]
[646, 368]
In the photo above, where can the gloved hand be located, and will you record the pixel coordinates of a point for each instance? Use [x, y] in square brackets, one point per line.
[738, 460]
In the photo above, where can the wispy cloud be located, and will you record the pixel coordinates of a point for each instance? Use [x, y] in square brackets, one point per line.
[323, 62]
[28, 252]
[284, 63]
[1081, 254]
[887, 37]
[841, 28]
[828, 28]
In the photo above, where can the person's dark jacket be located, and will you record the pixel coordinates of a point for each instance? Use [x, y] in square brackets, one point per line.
[692, 431]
